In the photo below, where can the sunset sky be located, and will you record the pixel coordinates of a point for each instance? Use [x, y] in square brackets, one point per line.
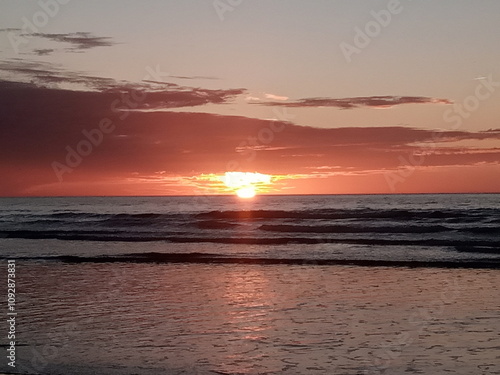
[326, 97]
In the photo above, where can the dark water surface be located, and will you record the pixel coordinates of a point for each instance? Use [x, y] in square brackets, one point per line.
[453, 228]
[186, 285]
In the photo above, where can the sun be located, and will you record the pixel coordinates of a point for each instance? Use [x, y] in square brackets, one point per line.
[246, 192]
[246, 184]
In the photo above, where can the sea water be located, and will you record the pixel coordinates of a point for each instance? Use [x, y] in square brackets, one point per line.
[274, 285]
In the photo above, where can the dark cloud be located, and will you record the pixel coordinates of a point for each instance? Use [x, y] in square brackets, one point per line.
[43, 52]
[358, 102]
[160, 95]
[49, 74]
[195, 77]
[39, 124]
[79, 41]
[70, 42]
[165, 84]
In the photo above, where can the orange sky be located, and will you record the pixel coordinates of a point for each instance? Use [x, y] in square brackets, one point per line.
[91, 109]
[73, 143]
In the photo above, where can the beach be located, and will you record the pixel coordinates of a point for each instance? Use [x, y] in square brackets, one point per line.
[256, 319]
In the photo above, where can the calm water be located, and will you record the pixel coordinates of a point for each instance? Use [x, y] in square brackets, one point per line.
[223, 286]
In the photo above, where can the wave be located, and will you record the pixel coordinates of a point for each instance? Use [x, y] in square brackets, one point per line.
[452, 215]
[107, 219]
[175, 237]
[483, 230]
[154, 257]
[354, 229]
[93, 215]
[214, 224]
[73, 215]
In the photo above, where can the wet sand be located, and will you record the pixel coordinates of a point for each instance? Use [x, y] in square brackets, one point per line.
[125, 318]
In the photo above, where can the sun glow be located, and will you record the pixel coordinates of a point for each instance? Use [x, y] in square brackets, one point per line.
[245, 184]
[246, 192]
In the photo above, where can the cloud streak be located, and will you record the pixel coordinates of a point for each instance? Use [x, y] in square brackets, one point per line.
[195, 77]
[43, 51]
[79, 41]
[358, 102]
[43, 77]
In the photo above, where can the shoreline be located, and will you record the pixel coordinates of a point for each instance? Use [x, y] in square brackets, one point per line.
[204, 258]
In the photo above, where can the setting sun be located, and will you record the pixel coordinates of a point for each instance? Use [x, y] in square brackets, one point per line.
[245, 184]
[246, 192]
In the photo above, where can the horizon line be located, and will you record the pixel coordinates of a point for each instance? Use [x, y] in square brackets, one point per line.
[233, 195]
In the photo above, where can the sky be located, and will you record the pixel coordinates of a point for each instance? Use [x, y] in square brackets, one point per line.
[289, 97]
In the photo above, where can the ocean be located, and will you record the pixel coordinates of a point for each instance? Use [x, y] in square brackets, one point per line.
[325, 284]
[452, 229]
